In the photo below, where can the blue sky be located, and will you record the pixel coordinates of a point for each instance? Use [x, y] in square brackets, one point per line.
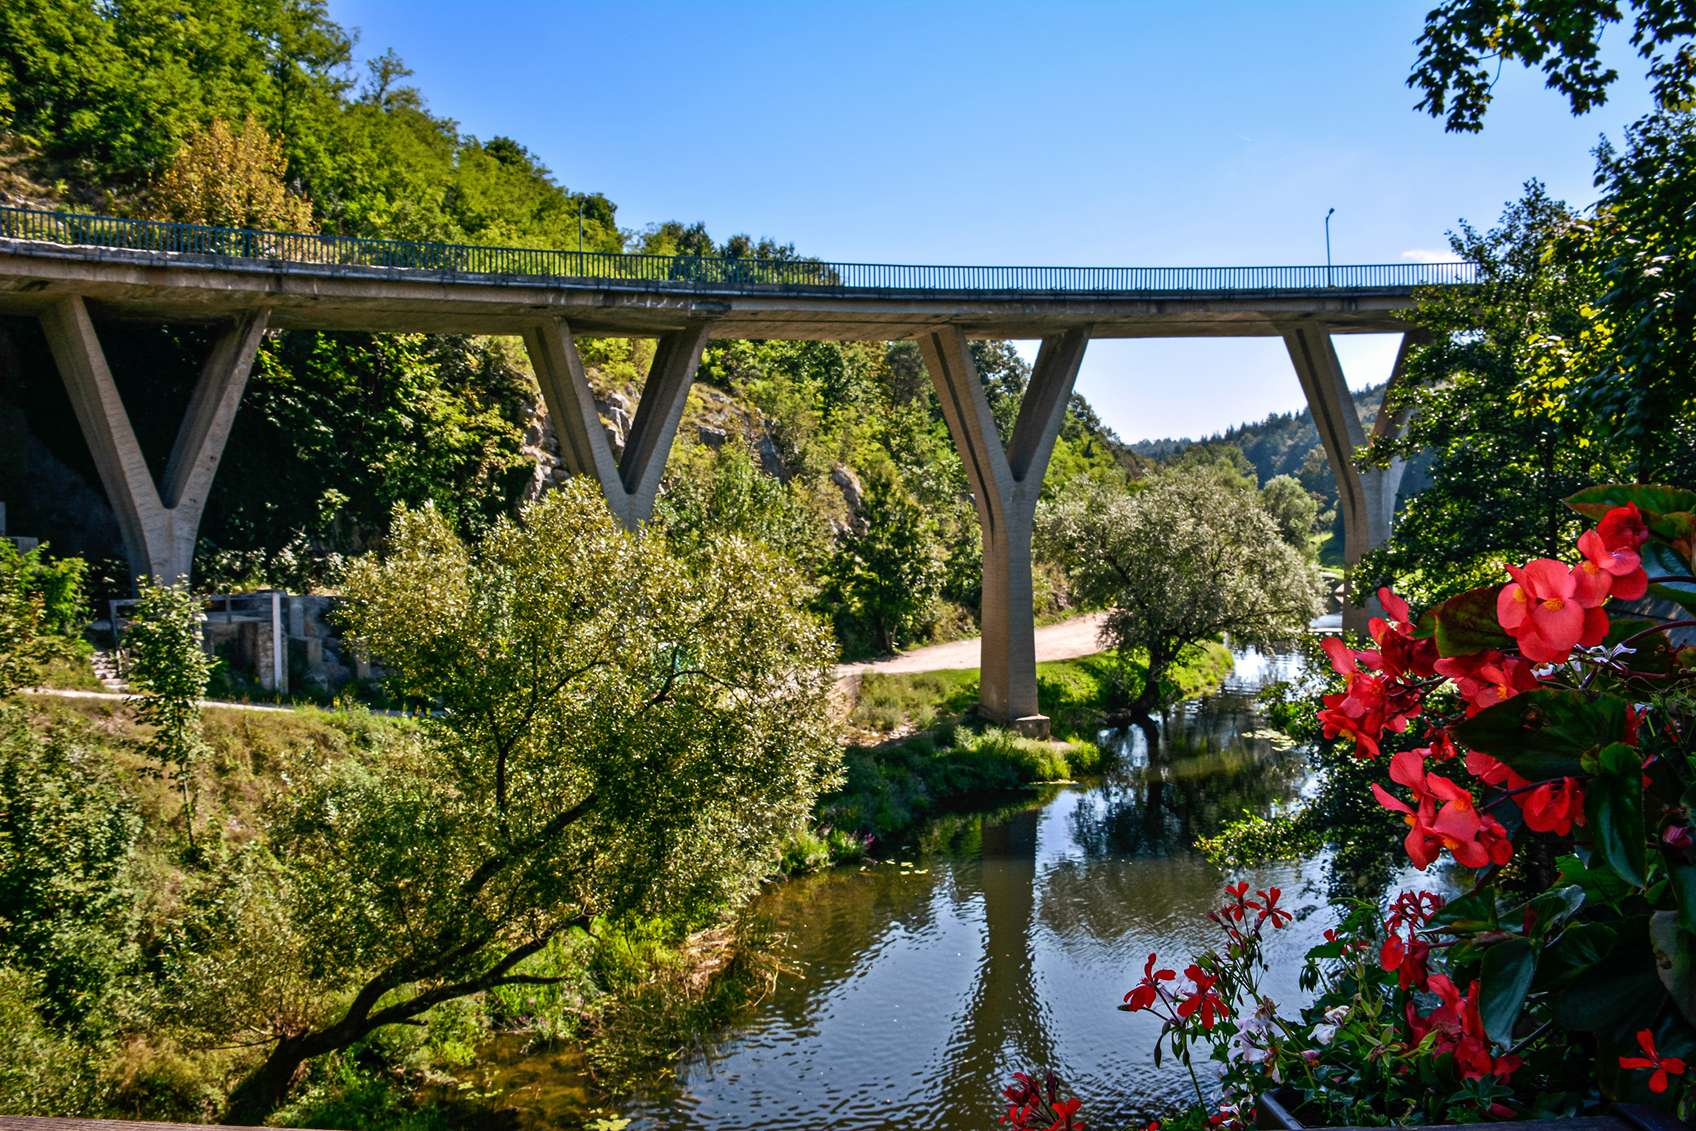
[1069, 133]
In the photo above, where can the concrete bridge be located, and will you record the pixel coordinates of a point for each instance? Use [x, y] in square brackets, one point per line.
[70, 270]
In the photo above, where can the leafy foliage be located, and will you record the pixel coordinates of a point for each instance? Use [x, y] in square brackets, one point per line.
[67, 889]
[231, 177]
[1493, 407]
[1638, 254]
[169, 666]
[622, 732]
[887, 572]
[1465, 43]
[42, 611]
[1180, 560]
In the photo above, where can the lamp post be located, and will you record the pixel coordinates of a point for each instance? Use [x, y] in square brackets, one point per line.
[1327, 248]
[580, 235]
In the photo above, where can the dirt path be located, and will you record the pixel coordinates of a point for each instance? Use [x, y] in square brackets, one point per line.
[205, 704]
[1064, 641]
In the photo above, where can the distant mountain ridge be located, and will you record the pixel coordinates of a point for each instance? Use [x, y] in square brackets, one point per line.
[1280, 444]
[1287, 443]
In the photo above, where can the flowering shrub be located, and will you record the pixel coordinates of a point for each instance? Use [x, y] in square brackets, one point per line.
[1037, 1106]
[1556, 773]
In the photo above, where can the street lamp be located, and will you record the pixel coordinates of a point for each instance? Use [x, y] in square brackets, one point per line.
[580, 235]
[1327, 247]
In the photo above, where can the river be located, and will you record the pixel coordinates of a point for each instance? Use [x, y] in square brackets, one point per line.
[913, 988]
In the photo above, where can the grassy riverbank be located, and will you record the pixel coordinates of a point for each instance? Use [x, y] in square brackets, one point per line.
[629, 998]
[919, 751]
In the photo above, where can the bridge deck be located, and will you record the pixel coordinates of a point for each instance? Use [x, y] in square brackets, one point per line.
[139, 269]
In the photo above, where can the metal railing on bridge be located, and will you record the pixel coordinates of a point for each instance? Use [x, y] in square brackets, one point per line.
[698, 272]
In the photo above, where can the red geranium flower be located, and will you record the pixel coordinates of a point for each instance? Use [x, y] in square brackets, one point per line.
[1269, 909]
[1663, 1066]
[1144, 993]
[1203, 1000]
[1064, 1113]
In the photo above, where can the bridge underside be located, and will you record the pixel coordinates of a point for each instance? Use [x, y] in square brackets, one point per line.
[68, 288]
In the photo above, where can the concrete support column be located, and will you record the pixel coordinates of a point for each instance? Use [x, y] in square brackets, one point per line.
[1367, 494]
[1006, 481]
[631, 482]
[159, 525]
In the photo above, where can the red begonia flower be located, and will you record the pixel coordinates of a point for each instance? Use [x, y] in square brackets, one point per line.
[1553, 807]
[1623, 528]
[1541, 612]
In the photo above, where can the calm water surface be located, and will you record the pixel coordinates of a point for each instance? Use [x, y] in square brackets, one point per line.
[913, 989]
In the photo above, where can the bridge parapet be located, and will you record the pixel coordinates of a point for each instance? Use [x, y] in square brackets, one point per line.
[471, 262]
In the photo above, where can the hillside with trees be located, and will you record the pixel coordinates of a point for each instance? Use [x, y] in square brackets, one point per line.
[262, 115]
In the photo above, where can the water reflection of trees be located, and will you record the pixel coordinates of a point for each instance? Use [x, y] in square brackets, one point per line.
[1134, 861]
[1210, 767]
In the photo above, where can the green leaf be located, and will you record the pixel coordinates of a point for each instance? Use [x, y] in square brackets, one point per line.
[1613, 810]
[1555, 906]
[1651, 500]
[1681, 593]
[1579, 949]
[1475, 911]
[1617, 993]
[1683, 877]
[1466, 623]
[1600, 884]
[1675, 961]
[1678, 529]
[1661, 560]
[1503, 981]
[1543, 734]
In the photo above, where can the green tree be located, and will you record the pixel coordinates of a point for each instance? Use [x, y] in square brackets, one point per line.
[22, 622]
[233, 178]
[887, 571]
[67, 889]
[712, 494]
[43, 611]
[1465, 43]
[620, 732]
[168, 665]
[1293, 509]
[1184, 558]
[1634, 360]
[1492, 405]
[337, 428]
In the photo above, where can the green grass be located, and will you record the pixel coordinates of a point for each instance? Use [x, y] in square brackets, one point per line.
[69, 673]
[890, 790]
[1074, 694]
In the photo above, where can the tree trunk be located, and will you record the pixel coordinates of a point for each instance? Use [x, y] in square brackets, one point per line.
[1147, 702]
[267, 1086]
